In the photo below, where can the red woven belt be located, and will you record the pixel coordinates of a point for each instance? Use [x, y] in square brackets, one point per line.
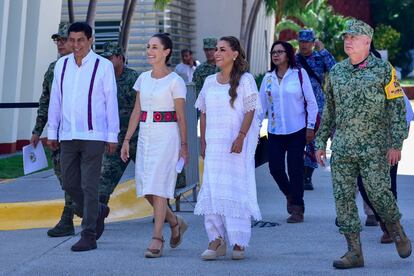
[160, 116]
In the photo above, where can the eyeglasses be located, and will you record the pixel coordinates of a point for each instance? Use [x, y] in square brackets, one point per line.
[59, 40]
[277, 53]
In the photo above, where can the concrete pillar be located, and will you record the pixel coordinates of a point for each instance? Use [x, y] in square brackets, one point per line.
[4, 20]
[12, 76]
[42, 21]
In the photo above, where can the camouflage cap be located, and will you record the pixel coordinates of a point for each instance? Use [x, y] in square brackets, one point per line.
[358, 27]
[111, 48]
[209, 43]
[63, 30]
[306, 35]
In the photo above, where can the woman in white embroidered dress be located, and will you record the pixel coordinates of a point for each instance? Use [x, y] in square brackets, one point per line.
[229, 103]
[159, 108]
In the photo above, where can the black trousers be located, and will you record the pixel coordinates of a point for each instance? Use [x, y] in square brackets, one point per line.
[393, 175]
[290, 147]
[81, 162]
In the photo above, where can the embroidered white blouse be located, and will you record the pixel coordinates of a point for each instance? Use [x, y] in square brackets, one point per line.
[285, 102]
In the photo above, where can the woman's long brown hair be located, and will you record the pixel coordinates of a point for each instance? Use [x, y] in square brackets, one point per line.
[239, 67]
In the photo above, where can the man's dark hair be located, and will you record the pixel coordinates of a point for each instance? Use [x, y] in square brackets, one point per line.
[185, 51]
[81, 27]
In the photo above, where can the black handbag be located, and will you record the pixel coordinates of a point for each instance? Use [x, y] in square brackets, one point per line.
[261, 154]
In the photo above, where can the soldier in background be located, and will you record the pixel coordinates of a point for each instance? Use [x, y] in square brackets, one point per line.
[365, 106]
[317, 61]
[112, 166]
[208, 67]
[65, 225]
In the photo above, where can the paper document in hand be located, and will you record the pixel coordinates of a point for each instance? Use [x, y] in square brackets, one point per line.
[34, 159]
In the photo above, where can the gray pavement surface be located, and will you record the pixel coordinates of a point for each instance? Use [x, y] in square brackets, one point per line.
[288, 249]
[40, 186]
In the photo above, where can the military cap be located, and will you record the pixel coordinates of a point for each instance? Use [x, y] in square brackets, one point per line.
[111, 48]
[306, 35]
[63, 30]
[209, 43]
[358, 27]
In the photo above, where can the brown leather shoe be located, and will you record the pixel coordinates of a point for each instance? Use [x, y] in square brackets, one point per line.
[182, 227]
[297, 215]
[100, 222]
[87, 242]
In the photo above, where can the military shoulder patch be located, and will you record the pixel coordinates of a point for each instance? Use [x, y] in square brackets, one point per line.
[393, 89]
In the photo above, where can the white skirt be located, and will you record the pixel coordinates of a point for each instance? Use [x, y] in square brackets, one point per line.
[157, 155]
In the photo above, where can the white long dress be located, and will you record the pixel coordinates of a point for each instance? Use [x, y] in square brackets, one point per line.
[229, 184]
[158, 142]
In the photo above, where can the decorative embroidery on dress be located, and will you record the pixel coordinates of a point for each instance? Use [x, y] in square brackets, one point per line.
[200, 103]
[250, 102]
[272, 116]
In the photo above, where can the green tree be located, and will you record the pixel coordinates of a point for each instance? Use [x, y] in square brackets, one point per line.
[397, 14]
[319, 16]
[387, 38]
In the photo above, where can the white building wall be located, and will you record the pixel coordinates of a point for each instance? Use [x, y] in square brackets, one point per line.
[25, 53]
[39, 52]
[12, 77]
[217, 18]
[262, 40]
[4, 20]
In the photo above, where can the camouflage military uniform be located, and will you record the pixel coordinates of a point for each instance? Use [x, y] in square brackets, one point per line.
[201, 73]
[41, 121]
[367, 121]
[205, 69]
[112, 166]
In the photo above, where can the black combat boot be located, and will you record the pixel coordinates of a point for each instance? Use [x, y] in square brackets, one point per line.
[307, 178]
[353, 258]
[65, 225]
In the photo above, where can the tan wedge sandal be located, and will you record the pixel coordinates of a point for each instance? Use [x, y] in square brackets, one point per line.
[182, 227]
[155, 253]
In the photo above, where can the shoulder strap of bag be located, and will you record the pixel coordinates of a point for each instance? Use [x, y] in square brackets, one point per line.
[301, 83]
[308, 69]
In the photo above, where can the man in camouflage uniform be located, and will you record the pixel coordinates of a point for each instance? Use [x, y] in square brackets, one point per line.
[208, 67]
[317, 63]
[112, 166]
[365, 107]
[65, 225]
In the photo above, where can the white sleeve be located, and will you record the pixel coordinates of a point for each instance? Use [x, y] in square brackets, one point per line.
[312, 106]
[55, 107]
[200, 103]
[110, 92]
[137, 85]
[178, 89]
[250, 94]
[263, 96]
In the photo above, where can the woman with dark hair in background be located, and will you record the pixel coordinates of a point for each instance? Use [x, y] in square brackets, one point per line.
[159, 108]
[229, 103]
[286, 94]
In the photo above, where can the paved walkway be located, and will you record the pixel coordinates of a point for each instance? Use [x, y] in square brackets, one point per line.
[287, 249]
